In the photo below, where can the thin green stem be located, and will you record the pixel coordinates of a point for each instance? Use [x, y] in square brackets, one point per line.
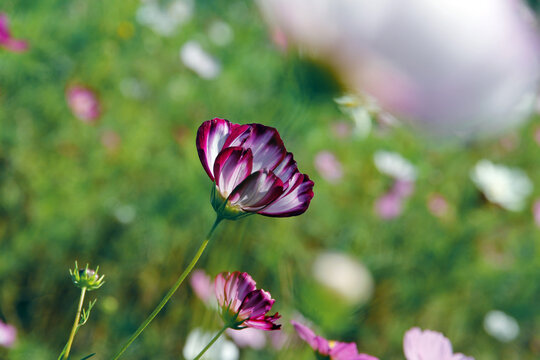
[211, 342]
[75, 325]
[171, 292]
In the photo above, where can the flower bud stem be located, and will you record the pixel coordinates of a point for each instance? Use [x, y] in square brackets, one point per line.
[211, 342]
[171, 292]
[75, 325]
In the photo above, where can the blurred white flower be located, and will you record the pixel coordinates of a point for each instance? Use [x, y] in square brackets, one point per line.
[125, 214]
[221, 350]
[164, 21]
[345, 275]
[501, 326]
[195, 58]
[507, 187]
[360, 112]
[437, 64]
[393, 164]
[220, 33]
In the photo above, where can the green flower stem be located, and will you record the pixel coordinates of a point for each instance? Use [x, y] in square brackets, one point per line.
[75, 325]
[211, 342]
[171, 292]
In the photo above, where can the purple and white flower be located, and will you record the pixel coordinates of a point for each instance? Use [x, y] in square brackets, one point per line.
[429, 345]
[252, 171]
[8, 335]
[6, 39]
[242, 305]
[335, 350]
[83, 103]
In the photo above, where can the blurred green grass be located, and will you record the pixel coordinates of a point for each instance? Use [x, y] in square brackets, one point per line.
[61, 191]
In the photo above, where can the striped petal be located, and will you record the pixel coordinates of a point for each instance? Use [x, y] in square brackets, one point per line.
[264, 322]
[211, 136]
[265, 143]
[231, 167]
[232, 288]
[286, 168]
[256, 304]
[257, 191]
[294, 201]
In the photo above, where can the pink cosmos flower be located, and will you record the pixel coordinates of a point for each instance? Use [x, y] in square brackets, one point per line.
[437, 205]
[429, 345]
[328, 166]
[335, 350]
[389, 206]
[536, 212]
[252, 171]
[242, 304]
[403, 188]
[6, 40]
[8, 335]
[201, 285]
[83, 103]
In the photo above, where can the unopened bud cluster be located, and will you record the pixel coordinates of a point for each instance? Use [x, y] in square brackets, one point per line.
[86, 278]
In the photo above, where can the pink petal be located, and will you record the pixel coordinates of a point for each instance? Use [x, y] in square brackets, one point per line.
[210, 139]
[233, 287]
[428, 344]
[389, 206]
[265, 143]
[6, 40]
[256, 304]
[286, 168]
[83, 103]
[231, 167]
[343, 351]
[295, 200]
[317, 343]
[257, 191]
[267, 323]
[8, 335]
[536, 212]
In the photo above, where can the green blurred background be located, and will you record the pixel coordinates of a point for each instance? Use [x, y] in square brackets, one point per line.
[141, 210]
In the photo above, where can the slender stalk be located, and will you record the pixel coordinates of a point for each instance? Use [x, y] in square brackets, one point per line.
[75, 325]
[171, 292]
[211, 343]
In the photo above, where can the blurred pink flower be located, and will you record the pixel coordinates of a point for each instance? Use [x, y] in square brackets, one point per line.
[429, 345]
[280, 39]
[419, 59]
[202, 285]
[403, 188]
[536, 212]
[242, 304]
[83, 103]
[335, 350]
[111, 140]
[389, 206]
[341, 129]
[328, 167]
[6, 40]
[278, 339]
[537, 135]
[249, 337]
[437, 205]
[8, 335]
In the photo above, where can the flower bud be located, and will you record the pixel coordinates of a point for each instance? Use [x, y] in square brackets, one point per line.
[86, 278]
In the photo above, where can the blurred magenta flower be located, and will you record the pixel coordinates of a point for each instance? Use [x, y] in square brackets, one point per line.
[201, 285]
[536, 212]
[8, 335]
[6, 40]
[437, 205]
[242, 304]
[403, 188]
[252, 171]
[249, 337]
[389, 206]
[83, 103]
[420, 59]
[429, 345]
[328, 166]
[335, 350]
[537, 135]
